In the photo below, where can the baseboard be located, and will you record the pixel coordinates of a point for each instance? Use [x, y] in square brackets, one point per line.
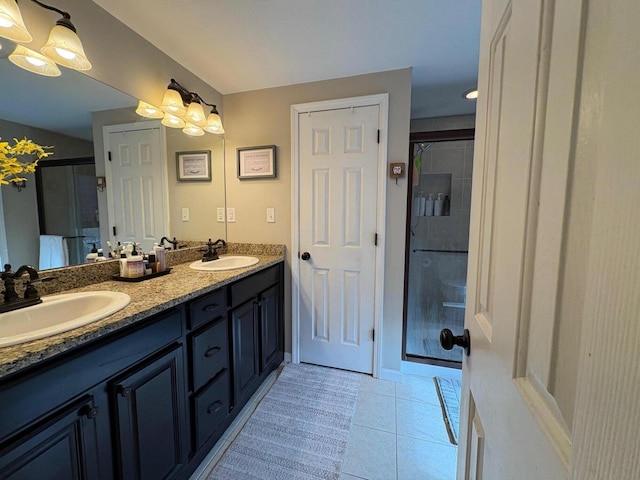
[287, 357]
[391, 375]
[426, 370]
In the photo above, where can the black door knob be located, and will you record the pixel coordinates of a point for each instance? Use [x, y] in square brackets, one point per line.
[448, 340]
[305, 256]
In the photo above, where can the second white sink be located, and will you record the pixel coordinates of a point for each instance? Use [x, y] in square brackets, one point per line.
[57, 314]
[229, 262]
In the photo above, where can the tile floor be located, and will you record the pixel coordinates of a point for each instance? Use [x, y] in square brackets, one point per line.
[397, 433]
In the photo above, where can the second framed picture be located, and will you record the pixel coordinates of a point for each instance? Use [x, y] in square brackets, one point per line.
[194, 166]
[257, 162]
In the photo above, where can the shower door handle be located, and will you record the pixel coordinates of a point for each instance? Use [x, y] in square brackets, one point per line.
[448, 340]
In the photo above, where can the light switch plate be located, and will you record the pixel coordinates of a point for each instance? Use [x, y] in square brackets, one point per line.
[185, 214]
[271, 215]
[231, 214]
[220, 214]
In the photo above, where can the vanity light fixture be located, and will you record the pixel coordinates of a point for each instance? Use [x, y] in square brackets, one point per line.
[183, 109]
[31, 61]
[470, 94]
[63, 46]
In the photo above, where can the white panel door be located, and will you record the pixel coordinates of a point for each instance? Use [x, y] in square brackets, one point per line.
[515, 420]
[338, 197]
[137, 186]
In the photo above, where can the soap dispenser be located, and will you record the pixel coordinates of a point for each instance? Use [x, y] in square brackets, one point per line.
[93, 255]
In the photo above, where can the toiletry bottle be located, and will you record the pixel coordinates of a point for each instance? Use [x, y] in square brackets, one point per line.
[91, 257]
[446, 206]
[153, 265]
[160, 257]
[123, 265]
[417, 206]
[423, 205]
[100, 257]
[428, 211]
[437, 205]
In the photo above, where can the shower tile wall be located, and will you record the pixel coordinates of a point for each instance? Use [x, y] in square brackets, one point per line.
[431, 274]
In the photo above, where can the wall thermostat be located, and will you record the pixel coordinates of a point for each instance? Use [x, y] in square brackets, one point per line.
[396, 170]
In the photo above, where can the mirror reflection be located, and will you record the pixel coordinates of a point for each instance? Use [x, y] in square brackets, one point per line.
[63, 199]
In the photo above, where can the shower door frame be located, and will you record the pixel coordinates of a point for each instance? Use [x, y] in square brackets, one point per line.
[415, 138]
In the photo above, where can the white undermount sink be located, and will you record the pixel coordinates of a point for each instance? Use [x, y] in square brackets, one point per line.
[228, 262]
[57, 314]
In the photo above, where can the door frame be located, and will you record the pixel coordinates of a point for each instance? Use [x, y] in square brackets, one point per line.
[131, 127]
[382, 101]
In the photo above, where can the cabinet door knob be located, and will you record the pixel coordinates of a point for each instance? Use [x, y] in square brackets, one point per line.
[212, 351]
[215, 406]
[124, 391]
[89, 411]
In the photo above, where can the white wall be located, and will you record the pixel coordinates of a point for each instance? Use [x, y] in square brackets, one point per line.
[262, 117]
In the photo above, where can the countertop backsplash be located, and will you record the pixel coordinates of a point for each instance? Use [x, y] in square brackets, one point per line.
[78, 276]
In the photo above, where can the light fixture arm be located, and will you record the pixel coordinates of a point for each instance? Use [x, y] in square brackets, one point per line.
[65, 21]
[187, 96]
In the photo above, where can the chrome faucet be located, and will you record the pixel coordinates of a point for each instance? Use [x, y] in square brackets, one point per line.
[11, 299]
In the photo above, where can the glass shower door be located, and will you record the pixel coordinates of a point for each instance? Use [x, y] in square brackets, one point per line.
[437, 248]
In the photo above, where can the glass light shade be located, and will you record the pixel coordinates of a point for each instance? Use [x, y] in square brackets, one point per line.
[471, 94]
[65, 48]
[214, 124]
[172, 121]
[33, 62]
[193, 130]
[195, 114]
[11, 24]
[149, 111]
[172, 103]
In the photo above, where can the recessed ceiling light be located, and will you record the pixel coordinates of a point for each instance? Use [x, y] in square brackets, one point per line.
[470, 94]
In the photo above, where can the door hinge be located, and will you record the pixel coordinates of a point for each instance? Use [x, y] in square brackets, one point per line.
[110, 152]
[114, 231]
[373, 335]
[375, 239]
[378, 135]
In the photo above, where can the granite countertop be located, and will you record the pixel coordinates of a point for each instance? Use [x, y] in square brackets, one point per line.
[148, 297]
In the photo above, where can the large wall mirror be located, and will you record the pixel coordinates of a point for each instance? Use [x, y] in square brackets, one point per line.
[69, 113]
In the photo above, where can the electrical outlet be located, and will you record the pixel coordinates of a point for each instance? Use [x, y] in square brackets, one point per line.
[185, 214]
[271, 215]
[231, 214]
[220, 214]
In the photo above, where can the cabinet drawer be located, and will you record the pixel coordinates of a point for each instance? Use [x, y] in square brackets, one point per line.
[211, 407]
[209, 353]
[207, 308]
[249, 287]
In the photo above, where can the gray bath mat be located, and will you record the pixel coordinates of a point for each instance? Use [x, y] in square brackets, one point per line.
[449, 394]
[298, 431]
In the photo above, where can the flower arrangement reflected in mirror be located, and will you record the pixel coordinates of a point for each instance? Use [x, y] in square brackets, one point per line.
[20, 158]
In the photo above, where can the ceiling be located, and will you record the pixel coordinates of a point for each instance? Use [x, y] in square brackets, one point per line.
[243, 45]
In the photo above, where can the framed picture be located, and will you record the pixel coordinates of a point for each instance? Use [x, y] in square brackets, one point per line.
[257, 162]
[194, 166]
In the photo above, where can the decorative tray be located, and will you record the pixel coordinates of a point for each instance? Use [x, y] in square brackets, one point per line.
[140, 279]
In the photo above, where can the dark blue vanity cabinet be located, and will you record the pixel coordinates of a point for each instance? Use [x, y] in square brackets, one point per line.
[150, 400]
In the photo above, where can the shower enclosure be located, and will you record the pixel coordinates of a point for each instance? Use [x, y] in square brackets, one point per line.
[439, 202]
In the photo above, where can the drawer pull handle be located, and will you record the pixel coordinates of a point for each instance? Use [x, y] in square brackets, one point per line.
[215, 406]
[210, 308]
[212, 351]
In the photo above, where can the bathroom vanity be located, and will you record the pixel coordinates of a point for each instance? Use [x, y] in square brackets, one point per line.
[146, 393]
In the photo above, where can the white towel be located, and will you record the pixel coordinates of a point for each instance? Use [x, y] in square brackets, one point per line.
[53, 252]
